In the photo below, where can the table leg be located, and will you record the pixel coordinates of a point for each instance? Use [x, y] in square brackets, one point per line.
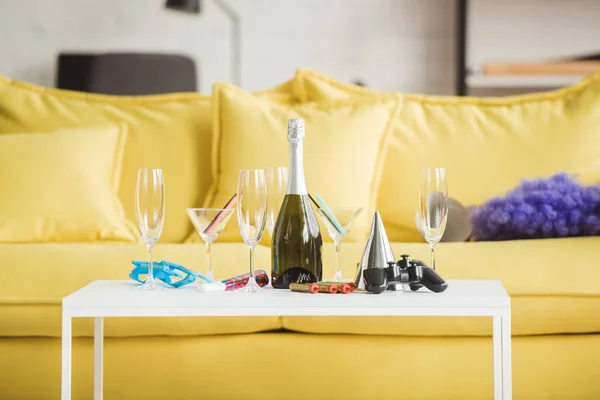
[497, 339]
[98, 356]
[66, 357]
[506, 357]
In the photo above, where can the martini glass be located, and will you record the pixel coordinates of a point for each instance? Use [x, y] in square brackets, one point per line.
[209, 223]
[338, 221]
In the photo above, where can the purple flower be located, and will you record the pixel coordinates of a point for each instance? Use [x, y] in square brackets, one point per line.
[557, 206]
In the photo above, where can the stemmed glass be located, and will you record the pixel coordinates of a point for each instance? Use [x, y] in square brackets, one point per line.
[150, 211]
[252, 215]
[209, 223]
[338, 221]
[433, 207]
[276, 180]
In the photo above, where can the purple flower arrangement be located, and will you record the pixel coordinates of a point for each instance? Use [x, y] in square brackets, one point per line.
[553, 207]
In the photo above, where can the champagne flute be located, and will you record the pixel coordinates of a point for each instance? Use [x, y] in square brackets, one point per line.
[150, 211]
[276, 180]
[252, 215]
[433, 206]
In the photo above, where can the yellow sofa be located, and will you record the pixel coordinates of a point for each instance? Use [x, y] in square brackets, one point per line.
[553, 285]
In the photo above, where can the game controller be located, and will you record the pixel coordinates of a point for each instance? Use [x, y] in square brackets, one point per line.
[414, 273]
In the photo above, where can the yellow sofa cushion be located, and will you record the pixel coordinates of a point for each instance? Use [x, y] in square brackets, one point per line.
[35, 278]
[63, 186]
[171, 131]
[553, 285]
[342, 149]
[486, 144]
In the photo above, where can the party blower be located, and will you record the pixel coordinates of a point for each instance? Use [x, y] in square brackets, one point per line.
[378, 251]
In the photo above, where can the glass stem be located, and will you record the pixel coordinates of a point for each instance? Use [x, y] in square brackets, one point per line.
[251, 278]
[432, 246]
[338, 269]
[150, 263]
[209, 271]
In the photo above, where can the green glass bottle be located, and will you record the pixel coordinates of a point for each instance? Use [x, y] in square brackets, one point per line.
[297, 241]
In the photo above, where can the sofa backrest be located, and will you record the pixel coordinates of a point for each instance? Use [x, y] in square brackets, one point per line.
[487, 145]
[169, 131]
[172, 132]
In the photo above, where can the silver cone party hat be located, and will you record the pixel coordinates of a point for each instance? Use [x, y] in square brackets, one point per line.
[378, 251]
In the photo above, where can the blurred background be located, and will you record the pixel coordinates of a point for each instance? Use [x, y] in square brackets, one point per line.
[419, 46]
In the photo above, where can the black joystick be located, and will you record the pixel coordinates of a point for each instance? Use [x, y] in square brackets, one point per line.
[415, 273]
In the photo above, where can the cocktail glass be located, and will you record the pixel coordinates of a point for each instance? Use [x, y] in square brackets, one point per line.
[338, 221]
[209, 223]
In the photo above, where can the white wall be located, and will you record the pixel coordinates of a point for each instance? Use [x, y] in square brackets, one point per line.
[509, 30]
[390, 44]
[405, 45]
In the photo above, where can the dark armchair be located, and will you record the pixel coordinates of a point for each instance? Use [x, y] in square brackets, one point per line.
[126, 73]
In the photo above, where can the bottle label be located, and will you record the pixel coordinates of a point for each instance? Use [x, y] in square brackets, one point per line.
[296, 184]
[293, 275]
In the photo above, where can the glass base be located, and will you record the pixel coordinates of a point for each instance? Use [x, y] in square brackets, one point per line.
[338, 277]
[198, 285]
[210, 275]
[151, 284]
[252, 287]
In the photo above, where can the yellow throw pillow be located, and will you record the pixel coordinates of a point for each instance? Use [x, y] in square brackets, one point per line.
[170, 131]
[63, 186]
[486, 144]
[343, 149]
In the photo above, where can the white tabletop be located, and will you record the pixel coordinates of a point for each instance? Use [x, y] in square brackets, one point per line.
[123, 298]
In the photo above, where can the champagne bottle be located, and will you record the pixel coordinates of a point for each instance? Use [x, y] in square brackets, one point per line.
[297, 242]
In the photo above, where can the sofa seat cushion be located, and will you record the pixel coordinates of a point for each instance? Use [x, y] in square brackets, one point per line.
[35, 278]
[553, 285]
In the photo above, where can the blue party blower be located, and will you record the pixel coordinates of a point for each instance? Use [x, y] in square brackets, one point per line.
[172, 274]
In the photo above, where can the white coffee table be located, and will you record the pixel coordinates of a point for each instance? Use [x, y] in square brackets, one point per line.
[100, 299]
